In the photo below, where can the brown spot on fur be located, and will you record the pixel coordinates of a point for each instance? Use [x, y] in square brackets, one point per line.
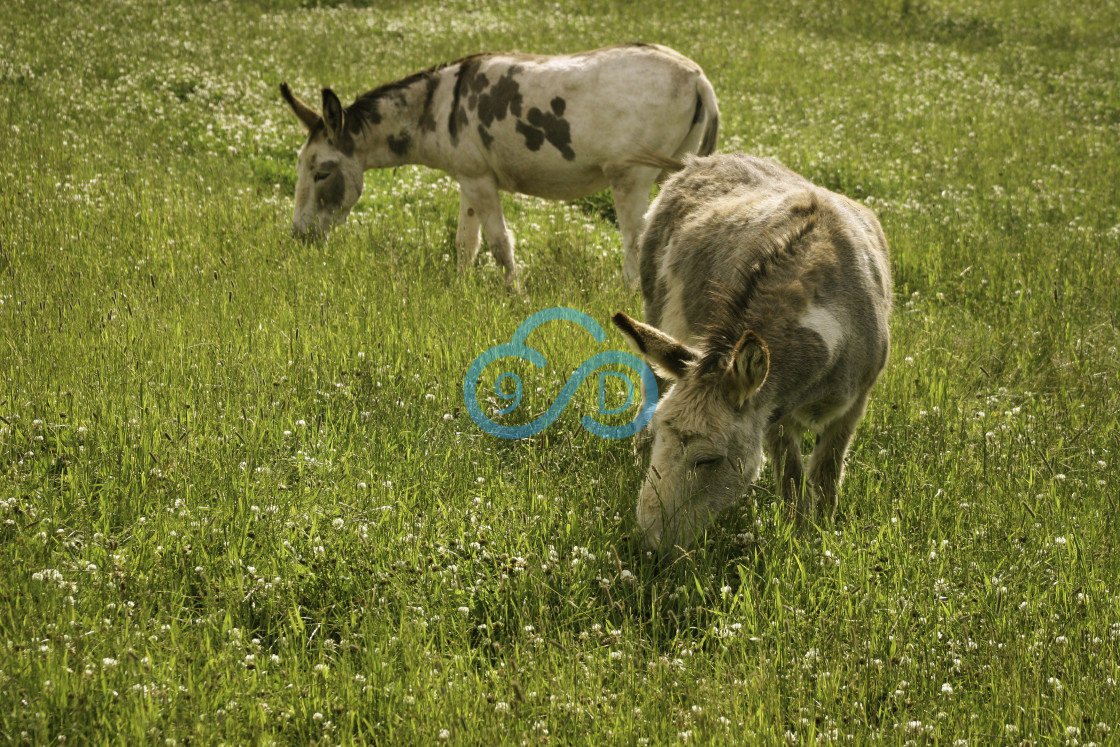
[534, 138]
[332, 191]
[502, 98]
[468, 66]
[427, 122]
[549, 126]
[366, 108]
[400, 143]
[485, 136]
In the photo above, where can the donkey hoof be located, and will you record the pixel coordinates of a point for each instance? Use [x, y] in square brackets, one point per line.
[515, 279]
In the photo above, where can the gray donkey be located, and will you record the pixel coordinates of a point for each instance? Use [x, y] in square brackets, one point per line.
[766, 302]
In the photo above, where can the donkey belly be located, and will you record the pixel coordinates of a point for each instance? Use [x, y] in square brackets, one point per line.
[566, 182]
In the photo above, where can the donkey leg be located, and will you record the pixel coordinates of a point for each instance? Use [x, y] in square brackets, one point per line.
[826, 463]
[783, 445]
[482, 196]
[469, 236]
[630, 187]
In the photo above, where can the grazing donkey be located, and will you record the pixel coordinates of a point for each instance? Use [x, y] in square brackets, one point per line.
[766, 300]
[555, 127]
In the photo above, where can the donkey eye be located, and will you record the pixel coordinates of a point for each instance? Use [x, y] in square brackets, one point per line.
[706, 462]
[321, 176]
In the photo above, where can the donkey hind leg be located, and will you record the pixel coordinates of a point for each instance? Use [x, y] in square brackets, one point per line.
[469, 236]
[826, 463]
[783, 443]
[482, 196]
[630, 188]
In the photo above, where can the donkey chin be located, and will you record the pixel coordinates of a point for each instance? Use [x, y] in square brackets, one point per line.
[317, 228]
[669, 528]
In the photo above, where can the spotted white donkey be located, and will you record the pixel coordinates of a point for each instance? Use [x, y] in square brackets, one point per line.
[555, 127]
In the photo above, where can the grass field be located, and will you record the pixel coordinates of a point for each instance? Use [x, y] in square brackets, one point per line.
[241, 501]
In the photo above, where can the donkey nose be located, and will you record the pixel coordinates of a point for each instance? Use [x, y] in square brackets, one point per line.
[651, 532]
[309, 234]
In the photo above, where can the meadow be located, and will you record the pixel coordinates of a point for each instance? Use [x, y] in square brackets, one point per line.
[241, 501]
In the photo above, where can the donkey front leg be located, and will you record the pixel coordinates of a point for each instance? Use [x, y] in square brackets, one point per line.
[783, 445]
[481, 195]
[469, 237]
[826, 463]
[630, 188]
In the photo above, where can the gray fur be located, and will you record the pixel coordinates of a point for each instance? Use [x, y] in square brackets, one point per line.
[736, 248]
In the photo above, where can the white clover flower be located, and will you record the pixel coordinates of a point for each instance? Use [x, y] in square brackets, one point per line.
[946, 688]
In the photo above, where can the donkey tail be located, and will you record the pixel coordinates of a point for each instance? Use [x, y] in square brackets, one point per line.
[653, 159]
[706, 99]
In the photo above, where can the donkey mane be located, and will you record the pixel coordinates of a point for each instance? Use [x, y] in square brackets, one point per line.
[778, 244]
[365, 109]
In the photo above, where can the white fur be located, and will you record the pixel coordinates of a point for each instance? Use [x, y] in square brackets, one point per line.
[673, 321]
[822, 321]
[618, 103]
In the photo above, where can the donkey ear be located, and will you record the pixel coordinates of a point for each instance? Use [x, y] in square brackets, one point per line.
[747, 368]
[668, 355]
[308, 117]
[332, 113]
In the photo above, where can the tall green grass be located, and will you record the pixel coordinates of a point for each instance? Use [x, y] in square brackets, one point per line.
[241, 500]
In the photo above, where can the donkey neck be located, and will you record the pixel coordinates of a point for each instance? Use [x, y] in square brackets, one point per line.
[392, 125]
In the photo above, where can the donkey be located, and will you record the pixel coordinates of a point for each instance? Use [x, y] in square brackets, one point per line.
[766, 301]
[554, 127]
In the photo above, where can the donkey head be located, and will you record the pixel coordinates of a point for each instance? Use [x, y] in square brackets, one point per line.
[329, 176]
[707, 436]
